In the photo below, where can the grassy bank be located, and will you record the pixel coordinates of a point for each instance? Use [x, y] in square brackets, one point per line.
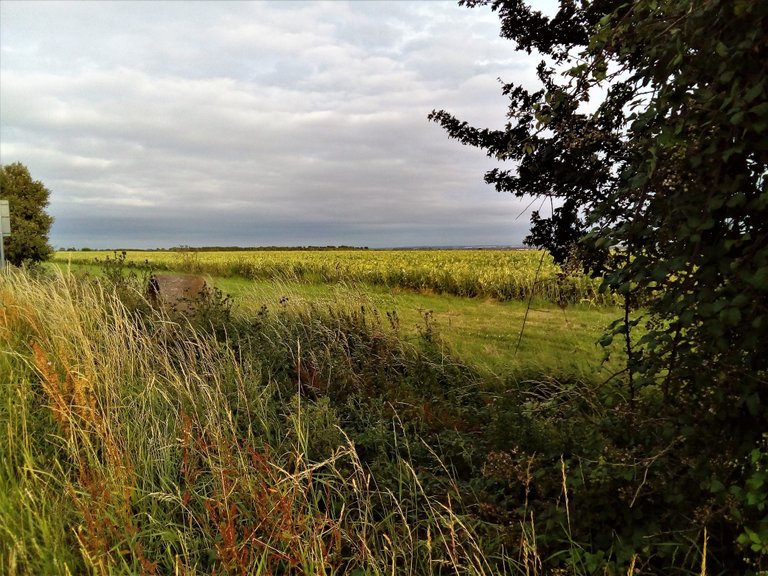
[139, 445]
[504, 275]
[312, 436]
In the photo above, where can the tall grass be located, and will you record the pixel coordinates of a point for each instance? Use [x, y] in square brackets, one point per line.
[137, 444]
[308, 437]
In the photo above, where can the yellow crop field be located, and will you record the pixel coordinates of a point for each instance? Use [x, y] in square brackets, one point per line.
[500, 274]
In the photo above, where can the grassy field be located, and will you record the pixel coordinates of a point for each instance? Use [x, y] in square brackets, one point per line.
[503, 275]
[308, 427]
[481, 331]
[484, 331]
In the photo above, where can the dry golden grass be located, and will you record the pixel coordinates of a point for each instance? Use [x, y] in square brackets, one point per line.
[146, 447]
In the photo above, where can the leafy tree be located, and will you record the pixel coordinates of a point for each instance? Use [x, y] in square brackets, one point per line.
[649, 134]
[29, 222]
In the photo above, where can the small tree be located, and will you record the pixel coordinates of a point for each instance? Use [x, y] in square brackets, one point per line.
[29, 222]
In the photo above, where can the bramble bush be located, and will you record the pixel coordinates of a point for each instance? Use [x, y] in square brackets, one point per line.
[659, 186]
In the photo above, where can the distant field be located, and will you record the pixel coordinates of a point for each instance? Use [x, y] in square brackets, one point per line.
[503, 275]
[481, 332]
[477, 300]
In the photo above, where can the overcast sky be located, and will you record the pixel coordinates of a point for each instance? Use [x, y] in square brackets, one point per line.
[158, 124]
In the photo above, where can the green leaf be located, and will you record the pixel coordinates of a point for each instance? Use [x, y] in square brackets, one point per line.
[741, 7]
[759, 110]
[760, 278]
[716, 486]
[721, 49]
[600, 74]
[738, 199]
[752, 403]
[606, 340]
[730, 316]
[756, 481]
[754, 92]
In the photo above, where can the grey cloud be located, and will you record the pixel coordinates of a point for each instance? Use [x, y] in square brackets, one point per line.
[265, 123]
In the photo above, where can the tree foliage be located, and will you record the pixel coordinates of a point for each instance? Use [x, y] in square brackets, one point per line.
[30, 223]
[649, 134]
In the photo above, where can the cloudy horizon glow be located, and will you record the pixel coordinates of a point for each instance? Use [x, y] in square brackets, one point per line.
[159, 124]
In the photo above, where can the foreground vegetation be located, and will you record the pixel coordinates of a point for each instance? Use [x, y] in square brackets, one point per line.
[669, 162]
[313, 437]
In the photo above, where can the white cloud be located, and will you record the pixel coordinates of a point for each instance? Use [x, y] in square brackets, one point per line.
[217, 120]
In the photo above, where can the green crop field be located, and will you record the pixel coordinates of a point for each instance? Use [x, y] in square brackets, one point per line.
[500, 274]
[351, 412]
[507, 312]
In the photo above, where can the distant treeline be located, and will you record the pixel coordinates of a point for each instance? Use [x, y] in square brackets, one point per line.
[222, 249]
[262, 248]
[289, 248]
